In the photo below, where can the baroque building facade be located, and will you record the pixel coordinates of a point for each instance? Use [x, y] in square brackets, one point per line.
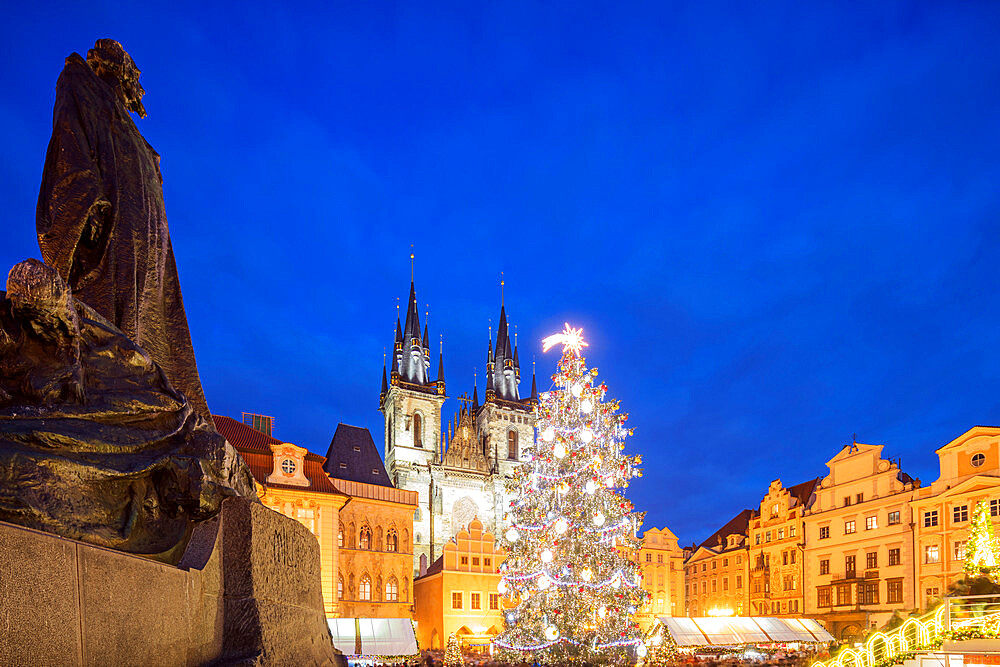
[457, 467]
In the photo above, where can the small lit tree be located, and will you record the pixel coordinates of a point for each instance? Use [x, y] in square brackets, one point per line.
[981, 547]
[453, 653]
[660, 646]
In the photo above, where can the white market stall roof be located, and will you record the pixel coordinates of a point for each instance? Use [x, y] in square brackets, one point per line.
[373, 636]
[735, 630]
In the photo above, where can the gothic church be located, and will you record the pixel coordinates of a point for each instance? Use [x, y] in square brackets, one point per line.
[458, 474]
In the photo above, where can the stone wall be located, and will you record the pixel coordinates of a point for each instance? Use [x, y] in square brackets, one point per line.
[246, 591]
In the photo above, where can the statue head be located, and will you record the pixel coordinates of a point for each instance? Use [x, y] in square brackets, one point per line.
[116, 68]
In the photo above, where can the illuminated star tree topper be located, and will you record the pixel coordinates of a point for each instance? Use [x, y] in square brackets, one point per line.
[570, 338]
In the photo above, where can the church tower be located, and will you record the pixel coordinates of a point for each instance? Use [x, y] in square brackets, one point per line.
[505, 421]
[410, 403]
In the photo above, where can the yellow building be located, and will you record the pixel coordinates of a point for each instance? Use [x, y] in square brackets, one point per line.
[942, 512]
[375, 534]
[776, 550]
[859, 544]
[458, 593]
[661, 561]
[716, 571]
[363, 524]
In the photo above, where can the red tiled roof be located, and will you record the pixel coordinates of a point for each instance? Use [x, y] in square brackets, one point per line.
[243, 437]
[803, 492]
[255, 448]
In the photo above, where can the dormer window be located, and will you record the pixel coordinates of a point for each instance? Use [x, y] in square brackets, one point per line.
[978, 460]
[289, 465]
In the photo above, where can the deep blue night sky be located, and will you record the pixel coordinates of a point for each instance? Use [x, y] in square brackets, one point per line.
[775, 221]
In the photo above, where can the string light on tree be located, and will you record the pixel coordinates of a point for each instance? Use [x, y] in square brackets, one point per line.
[567, 571]
[981, 547]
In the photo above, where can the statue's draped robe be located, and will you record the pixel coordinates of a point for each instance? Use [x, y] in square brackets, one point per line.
[102, 224]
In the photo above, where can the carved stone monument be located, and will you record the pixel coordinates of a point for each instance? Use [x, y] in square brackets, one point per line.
[130, 530]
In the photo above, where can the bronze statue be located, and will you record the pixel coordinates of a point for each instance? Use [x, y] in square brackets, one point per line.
[105, 435]
[101, 221]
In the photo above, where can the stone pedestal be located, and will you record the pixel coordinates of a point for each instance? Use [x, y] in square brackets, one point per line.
[246, 592]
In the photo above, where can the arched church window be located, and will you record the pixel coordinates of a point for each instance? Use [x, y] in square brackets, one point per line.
[365, 588]
[340, 588]
[391, 590]
[391, 541]
[418, 430]
[365, 538]
[512, 445]
[340, 535]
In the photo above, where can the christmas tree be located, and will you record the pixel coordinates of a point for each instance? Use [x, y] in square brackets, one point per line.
[571, 532]
[453, 653]
[981, 547]
[662, 649]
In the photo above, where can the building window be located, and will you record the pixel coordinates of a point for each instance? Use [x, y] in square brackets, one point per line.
[757, 538]
[824, 532]
[340, 588]
[930, 519]
[725, 562]
[649, 558]
[474, 601]
[365, 538]
[365, 588]
[843, 594]
[725, 583]
[960, 513]
[893, 518]
[868, 592]
[456, 600]
[849, 527]
[475, 560]
[784, 558]
[512, 445]
[824, 566]
[494, 601]
[791, 531]
[850, 566]
[659, 558]
[715, 565]
[894, 556]
[960, 550]
[715, 586]
[704, 566]
[391, 541]
[861, 498]
[288, 466]
[704, 587]
[418, 429]
[894, 590]
[995, 507]
[847, 501]
[871, 522]
[792, 559]
[978, 460]
[340, 536]
[932, 554]
[487, 562]
[739, 581]
[465, 560]
[781, 533]
[871, 560]
[739, 560]
[391, 590]
[932, 593]
[767, 536]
